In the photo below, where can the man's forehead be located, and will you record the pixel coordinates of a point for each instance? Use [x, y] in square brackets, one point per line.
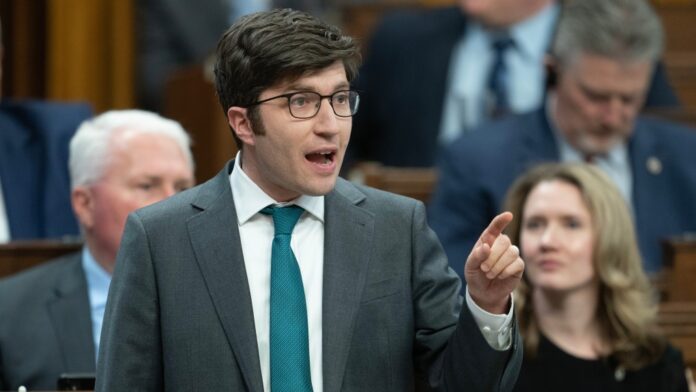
[586, 64]
[603, 71]
[333, 75]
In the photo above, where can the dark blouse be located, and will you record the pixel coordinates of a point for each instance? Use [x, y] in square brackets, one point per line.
[555, 370]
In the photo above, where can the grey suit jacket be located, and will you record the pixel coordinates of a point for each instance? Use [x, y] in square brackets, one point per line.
[179, 314]
[45, 325]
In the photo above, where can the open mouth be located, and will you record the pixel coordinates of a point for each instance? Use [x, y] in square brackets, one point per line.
[321, 157]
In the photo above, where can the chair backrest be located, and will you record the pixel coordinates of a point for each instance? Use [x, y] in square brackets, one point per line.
[190, 98]
[19, 255]
[680, 268]
[684, 116]
[416, 182]
[677, 320]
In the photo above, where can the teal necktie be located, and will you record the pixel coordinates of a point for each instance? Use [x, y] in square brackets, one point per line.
[289, 338]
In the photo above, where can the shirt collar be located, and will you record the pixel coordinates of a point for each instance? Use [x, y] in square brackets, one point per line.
[617, 155]
[249, 198]
[532, 36]
[98, 279]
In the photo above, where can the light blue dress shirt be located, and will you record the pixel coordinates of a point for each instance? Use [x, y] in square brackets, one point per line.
[465, 105]
[98, 281]
[239, 8]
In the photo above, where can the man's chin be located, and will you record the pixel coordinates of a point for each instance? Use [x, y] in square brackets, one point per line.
[601, 146]
[321, 187]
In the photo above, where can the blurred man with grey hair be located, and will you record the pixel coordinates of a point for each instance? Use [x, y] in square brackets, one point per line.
[452, 69]
[51, 315]
[602, 57]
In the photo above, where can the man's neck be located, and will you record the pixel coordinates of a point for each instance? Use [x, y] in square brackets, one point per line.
[527, 9]
[105, 259]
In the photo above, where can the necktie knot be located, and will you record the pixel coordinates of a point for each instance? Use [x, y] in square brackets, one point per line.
[501, 43]
[284, 218]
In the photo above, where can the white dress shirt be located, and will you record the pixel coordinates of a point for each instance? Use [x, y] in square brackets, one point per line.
[256, 233]
[4, 223]
[472, 58]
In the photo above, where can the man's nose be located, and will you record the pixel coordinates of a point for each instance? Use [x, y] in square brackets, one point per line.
[614, 112]
[326, 118]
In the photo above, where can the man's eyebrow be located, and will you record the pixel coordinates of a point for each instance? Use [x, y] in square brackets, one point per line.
[305, 87]
[592, 90]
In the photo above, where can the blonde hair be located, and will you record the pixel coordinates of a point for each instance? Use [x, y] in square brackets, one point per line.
[627, 312]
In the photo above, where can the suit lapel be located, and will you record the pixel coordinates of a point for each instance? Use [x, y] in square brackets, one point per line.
[647, 164]
[70, 316]
[347, 245]
[216, 243]
[538, 142]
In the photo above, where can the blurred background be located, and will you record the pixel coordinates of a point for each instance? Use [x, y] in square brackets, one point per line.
[152, 54]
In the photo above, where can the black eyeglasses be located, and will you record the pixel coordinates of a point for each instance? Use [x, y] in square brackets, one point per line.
[306, 104]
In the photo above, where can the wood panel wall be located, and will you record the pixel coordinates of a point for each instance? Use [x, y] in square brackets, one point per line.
[91, 50]
[23, 38]
[678, 18]
[79, 50]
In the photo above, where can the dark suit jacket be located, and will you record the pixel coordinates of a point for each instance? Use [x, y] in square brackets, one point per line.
[179, 314]
[34, 140]
[477, 170]
[403, 85]
[45, 325]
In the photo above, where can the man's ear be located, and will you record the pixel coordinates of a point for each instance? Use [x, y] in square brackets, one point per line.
[83, 205]
[238, 119]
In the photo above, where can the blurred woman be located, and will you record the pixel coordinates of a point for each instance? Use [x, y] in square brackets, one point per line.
[586, 310]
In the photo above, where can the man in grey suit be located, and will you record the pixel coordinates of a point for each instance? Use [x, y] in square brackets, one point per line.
[51, 315]
[194, 300]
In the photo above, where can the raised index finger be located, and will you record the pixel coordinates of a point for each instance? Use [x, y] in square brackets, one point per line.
[497, 225]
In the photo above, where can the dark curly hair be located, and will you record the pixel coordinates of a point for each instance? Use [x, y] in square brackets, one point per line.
[267, 48]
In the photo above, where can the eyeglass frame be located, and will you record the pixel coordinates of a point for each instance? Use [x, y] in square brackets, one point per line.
[287, 96]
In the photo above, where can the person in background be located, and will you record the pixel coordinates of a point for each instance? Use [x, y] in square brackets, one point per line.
[277, 275]
[586, 309]
[51, 315]
[602, 56]
[34, 179]
[431, 75]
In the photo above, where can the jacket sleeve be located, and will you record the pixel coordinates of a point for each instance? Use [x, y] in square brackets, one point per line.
[450, 348]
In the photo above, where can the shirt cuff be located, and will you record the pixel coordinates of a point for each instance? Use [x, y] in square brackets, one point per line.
[496, 328]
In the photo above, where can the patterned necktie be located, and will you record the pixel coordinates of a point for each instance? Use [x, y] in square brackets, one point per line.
[288, 337]
[498, 78]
